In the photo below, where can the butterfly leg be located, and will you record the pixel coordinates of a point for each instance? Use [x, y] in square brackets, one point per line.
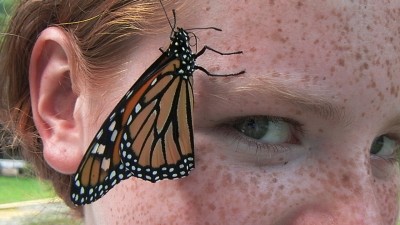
[201, 52]
[217, 75]
[220, 53]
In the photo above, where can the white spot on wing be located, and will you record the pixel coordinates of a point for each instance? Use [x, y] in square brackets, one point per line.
[112, 126]
[112, 174]
[114, 135]
[129, 119]
[105, 164]
[98, 136]
[101, 149]
[112, 116]
[137, 108]
[129, 94]
[154, 82]
[95, 147]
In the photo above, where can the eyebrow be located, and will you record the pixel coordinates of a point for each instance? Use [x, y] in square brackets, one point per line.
[309, 97]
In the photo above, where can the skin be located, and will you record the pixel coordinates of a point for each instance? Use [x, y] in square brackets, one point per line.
[300, 57]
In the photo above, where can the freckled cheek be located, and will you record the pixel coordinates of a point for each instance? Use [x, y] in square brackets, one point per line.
[388, 196]
[225, 191]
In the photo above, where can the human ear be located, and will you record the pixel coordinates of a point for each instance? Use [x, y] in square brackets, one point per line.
[54, 101]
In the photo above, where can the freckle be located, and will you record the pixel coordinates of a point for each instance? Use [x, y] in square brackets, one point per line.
[299, 4]
[364, 66]
[321, 130]
[381, 96]
[372, 84]
[277, 58]
[210, 188]
[272, 2]
[362, 114]
[332, 70]
[277, 36]
[358, 56]
[211, 206]
[298, 112]
[274, 180]
[346, 181]
[208, 8]
[227, 179]
[203, 168]
[340, 62]
[253, 49]
[282, 187]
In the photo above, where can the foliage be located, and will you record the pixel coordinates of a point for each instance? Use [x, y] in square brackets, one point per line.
[15, 189]
[5, 11]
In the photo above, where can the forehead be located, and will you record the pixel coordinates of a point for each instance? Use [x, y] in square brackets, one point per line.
[350, 48]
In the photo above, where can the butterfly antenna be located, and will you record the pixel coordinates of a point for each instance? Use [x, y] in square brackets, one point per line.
[204, 28]
[169, 21]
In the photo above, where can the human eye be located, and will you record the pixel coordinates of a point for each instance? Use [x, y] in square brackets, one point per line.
[267, 130]
[266, 140]
[385, 147]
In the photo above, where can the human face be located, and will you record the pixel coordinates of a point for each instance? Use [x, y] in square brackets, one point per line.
[322, 80]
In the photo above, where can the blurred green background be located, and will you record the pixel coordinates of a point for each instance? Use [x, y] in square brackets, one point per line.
[5, 10]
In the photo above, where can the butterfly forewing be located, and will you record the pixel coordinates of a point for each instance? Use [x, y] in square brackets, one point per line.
[153, 148]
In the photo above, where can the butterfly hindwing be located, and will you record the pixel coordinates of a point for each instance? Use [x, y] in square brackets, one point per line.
[101, 168]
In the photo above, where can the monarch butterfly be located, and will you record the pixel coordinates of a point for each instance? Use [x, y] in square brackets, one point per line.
[149, 134]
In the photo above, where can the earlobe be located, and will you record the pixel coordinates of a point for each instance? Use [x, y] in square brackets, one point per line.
[54, 102]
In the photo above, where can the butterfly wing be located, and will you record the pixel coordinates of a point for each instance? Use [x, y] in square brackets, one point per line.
[111, 157]
[158, 143]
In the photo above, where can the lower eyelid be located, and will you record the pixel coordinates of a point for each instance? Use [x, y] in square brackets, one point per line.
[250, 150]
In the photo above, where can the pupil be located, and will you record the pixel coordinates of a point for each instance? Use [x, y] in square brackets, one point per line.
[253, 127]
[377, 145]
